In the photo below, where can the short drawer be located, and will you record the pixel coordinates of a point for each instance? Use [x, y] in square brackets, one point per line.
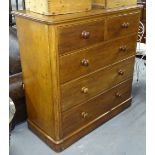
[80, 90]
[122, 24]
[88, 60]
[78, 36]
[80, 116]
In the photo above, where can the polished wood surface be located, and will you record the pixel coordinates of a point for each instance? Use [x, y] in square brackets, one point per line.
[81, 115]
[80, 35]
[65, 142]
[72, 93]
[36, 67]
[61, 19]
[121, 25]
[88, 60]
[73, 62]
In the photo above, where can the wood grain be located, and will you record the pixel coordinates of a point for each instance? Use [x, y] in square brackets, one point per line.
[62, 144]
[119, 3]
[35, 60]
[113, 3]
[74, 118]
[98, 56]
[97, 82]
[54, 63]
[115, 24]
[53, 7]
[76, 17]
[58, 89]
[97, 122]
[70, 37]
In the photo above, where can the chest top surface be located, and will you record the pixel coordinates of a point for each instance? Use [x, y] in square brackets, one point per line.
[96, 12]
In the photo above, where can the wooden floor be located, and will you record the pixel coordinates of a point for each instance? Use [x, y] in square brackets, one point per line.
[122, 135]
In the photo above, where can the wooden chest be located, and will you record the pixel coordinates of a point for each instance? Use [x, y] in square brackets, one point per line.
[114, 3]
[52, 7]
[77, 70]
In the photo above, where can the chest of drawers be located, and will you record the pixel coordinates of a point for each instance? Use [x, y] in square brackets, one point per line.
[77, 70]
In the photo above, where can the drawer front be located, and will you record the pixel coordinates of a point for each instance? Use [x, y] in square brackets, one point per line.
[79, 36]
[81, 90]
[86, 61]
[79, 116]
[121, 25]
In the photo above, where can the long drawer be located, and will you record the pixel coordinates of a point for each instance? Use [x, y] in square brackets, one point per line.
[80, 116]
[80, 90]
[123, 24]
[80, 35]
[86, 61]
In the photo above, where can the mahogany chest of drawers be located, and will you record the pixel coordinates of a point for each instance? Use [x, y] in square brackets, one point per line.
[77, 70]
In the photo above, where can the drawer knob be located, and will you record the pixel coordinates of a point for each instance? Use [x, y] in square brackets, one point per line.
[85, 35]
[118, 94]
[125, 25]
[120, 72]
[84, 90]
[123, 48]
[84, 115]
[85, 62]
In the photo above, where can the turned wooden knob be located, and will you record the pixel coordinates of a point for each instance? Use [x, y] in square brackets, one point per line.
[120, 72]
[125, 25]
[84, 115]
[85, 34]
[85, 62]
[123, 48]
[84, 90]
[118, 94]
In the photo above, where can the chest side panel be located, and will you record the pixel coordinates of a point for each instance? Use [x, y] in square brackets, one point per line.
[34, 52]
